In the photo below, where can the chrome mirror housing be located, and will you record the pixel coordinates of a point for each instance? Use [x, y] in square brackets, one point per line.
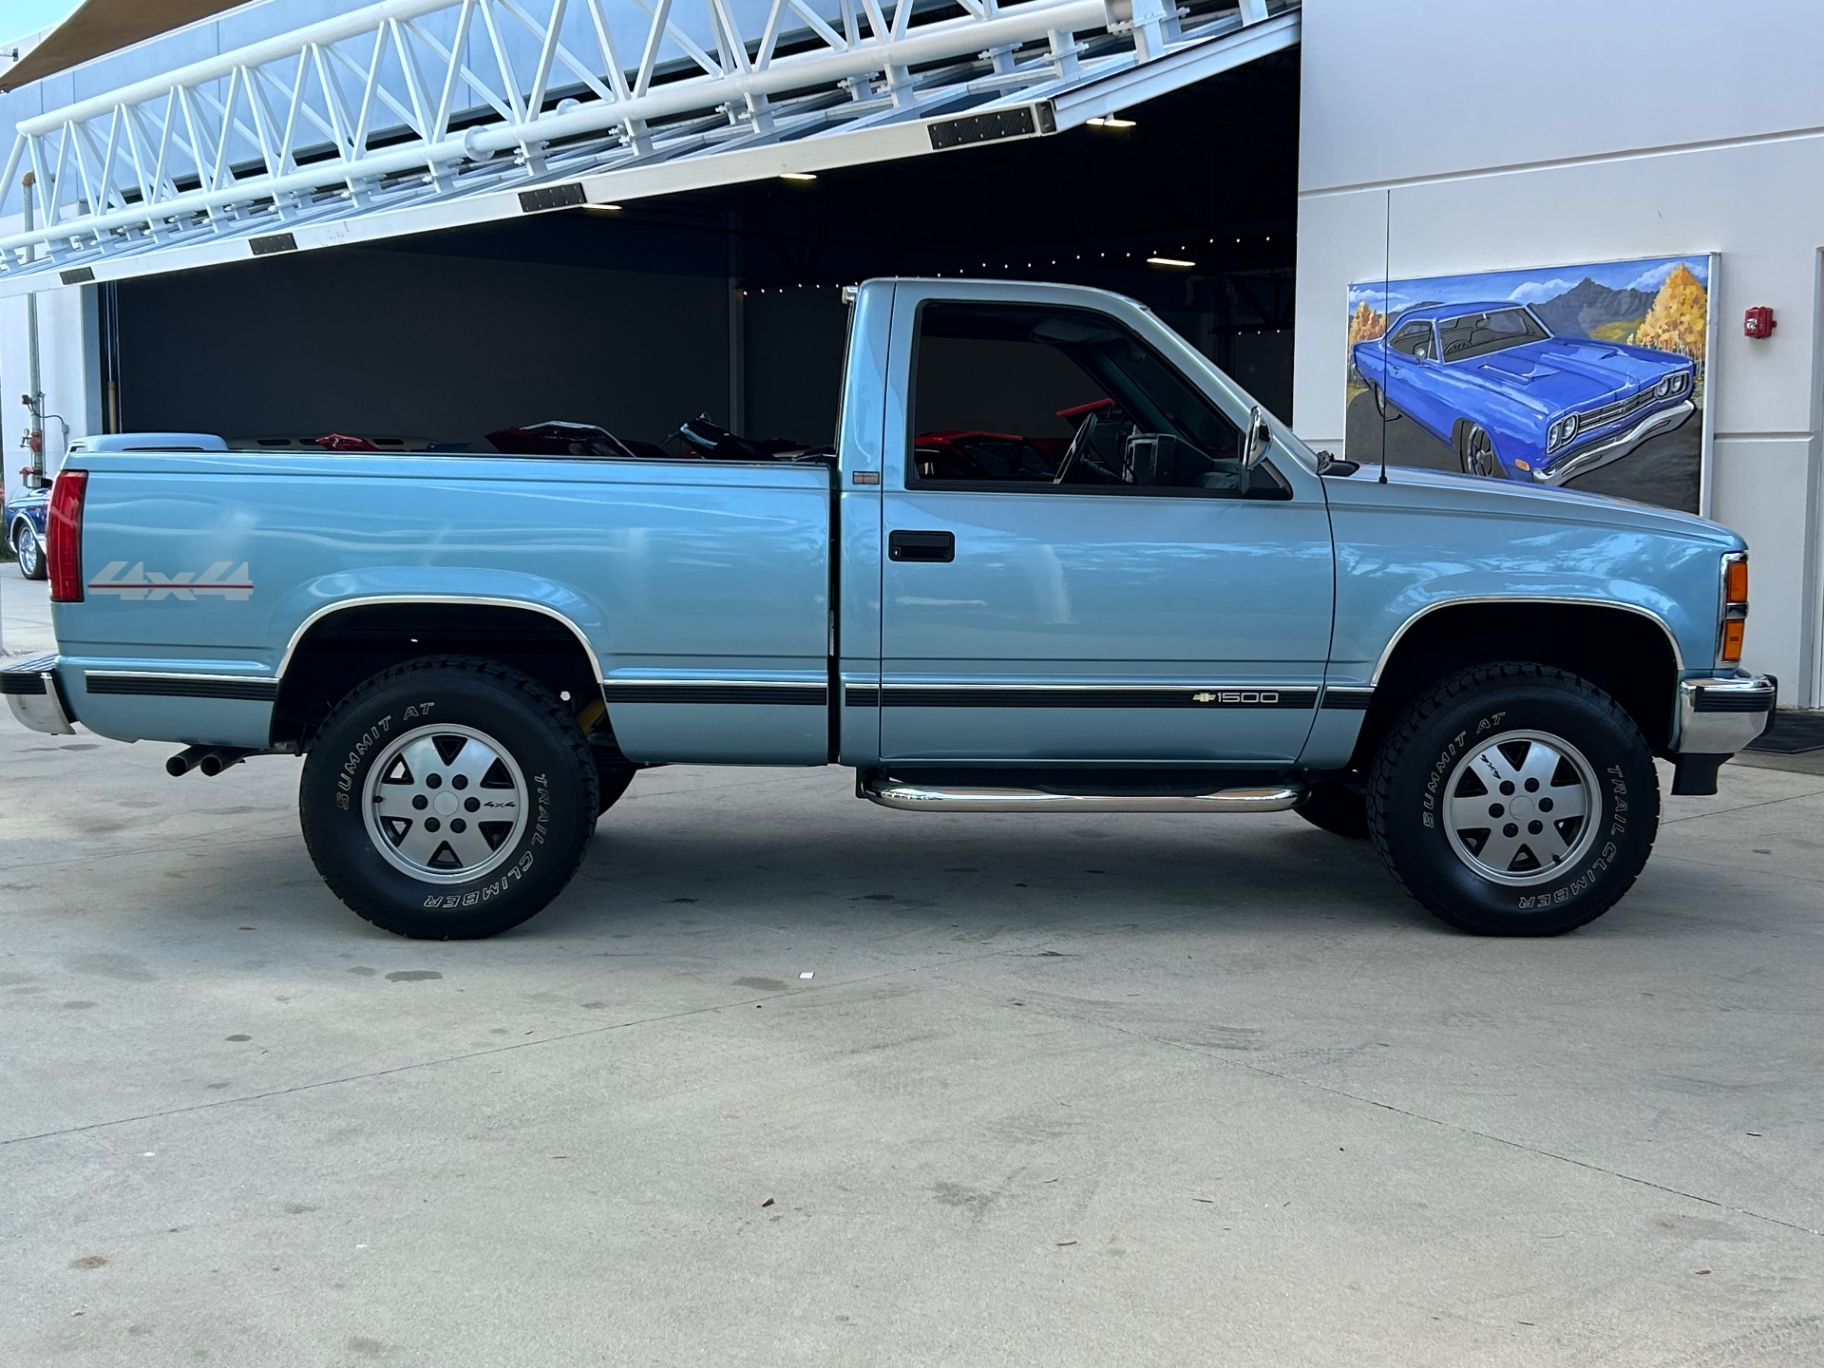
[1257, 440]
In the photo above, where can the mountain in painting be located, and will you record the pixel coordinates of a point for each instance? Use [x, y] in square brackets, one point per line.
[1588, 309]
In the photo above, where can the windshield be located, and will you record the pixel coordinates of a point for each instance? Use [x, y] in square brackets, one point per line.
[1479, 334]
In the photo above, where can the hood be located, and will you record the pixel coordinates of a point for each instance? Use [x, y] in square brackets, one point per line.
[1473, 494]
[1570, 372]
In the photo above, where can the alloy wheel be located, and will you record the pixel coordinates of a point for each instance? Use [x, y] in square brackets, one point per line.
[1522, 807]
[1479, 455]
[445, 804]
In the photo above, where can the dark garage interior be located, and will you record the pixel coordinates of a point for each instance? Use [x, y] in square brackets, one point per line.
[727, 304]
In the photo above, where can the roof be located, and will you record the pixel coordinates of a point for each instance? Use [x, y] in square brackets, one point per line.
[411, 116]
[1434, 311]
[98, 27]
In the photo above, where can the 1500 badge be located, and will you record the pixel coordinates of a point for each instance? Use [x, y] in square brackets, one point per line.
[223, 579]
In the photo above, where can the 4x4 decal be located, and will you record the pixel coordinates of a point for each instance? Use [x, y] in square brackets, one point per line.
[224, 579]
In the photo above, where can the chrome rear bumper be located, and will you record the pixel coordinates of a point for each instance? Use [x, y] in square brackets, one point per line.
[31, 692]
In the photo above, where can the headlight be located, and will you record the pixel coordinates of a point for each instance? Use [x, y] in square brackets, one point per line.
[1664, 387]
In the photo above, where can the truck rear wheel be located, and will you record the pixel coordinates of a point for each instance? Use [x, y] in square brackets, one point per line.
[1515, 800]
[448, 798]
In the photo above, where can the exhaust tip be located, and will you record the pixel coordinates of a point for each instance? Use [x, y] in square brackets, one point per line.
[177, 766]
[210, 765]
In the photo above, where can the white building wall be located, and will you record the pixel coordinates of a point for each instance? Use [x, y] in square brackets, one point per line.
[1439, 136]
[69, 356]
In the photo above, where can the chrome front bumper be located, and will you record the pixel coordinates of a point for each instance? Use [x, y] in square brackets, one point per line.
[1719, 716]
[31, 692]
[1612, 450]
[1716, 718]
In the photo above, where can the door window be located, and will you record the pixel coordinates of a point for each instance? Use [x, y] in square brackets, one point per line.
[1413, 340]
[1033, 400]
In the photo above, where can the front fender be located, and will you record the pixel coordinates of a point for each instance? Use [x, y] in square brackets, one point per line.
[1407, 549]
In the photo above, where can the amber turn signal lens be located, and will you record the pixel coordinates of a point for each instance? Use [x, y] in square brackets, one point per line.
[1733, 631]
[1735, 582]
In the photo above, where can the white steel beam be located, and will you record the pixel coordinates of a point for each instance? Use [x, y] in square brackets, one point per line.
[412, 115]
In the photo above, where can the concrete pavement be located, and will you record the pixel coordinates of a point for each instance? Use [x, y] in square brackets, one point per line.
[1084, 1090]
[25, 613]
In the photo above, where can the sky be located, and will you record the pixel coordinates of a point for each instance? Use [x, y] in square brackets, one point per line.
[1526, 287]
[20, 17]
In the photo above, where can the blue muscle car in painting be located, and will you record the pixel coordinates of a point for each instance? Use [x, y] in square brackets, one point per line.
[1516, 402]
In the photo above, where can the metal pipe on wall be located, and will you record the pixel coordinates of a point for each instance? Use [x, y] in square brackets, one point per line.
[34, 398]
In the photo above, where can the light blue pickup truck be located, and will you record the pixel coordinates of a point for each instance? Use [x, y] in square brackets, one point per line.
[1056, 562]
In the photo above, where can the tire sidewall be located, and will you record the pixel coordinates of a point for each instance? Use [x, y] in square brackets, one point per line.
[27, 536]
[1412, 797]
[336, 772]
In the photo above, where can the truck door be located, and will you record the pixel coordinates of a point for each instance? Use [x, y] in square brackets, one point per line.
[1076, 568]
[1413, 375]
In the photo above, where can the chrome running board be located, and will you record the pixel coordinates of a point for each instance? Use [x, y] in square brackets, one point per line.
[917, 797]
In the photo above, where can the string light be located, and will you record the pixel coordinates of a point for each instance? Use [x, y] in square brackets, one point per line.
[1183, 260]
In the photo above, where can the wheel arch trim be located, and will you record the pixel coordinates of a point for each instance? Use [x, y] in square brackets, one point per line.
[1525, 600]
[329, 610]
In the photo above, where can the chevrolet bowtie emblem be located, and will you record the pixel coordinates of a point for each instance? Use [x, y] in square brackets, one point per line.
[1203, 698]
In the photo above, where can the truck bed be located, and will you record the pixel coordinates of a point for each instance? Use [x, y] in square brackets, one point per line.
[677, 574]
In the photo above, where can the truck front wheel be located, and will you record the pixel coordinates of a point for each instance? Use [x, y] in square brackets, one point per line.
[448, 798]
[1514, 800]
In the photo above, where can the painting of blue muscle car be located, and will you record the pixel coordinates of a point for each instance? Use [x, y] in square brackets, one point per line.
[1514, 401]
[1544, 377]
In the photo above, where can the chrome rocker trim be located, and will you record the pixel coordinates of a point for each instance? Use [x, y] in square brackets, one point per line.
[31, 692]
[1605, 453]
[912, 797]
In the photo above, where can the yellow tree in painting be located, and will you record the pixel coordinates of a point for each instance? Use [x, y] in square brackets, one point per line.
[1675, 323]
[1365, 324]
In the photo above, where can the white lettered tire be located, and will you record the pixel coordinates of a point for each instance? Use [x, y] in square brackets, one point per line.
[1515, 800]
[448, 798]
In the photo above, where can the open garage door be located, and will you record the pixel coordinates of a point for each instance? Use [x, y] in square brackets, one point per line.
[724, 302]
[415, 115]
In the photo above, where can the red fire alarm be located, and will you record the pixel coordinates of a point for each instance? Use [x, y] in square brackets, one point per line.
[1758, 322]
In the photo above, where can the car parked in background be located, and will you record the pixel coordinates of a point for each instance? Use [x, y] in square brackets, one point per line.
[26, 513]
[1515, 401]
[25, 530]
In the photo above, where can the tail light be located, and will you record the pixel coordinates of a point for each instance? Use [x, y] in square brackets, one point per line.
[63, 539]
[1735, 608]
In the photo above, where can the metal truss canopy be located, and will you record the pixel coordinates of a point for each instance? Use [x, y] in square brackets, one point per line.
[412, 115]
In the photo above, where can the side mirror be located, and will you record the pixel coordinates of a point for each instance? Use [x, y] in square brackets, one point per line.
[1257, 441]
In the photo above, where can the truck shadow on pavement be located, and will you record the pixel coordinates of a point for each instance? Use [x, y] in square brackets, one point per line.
[989, 883]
